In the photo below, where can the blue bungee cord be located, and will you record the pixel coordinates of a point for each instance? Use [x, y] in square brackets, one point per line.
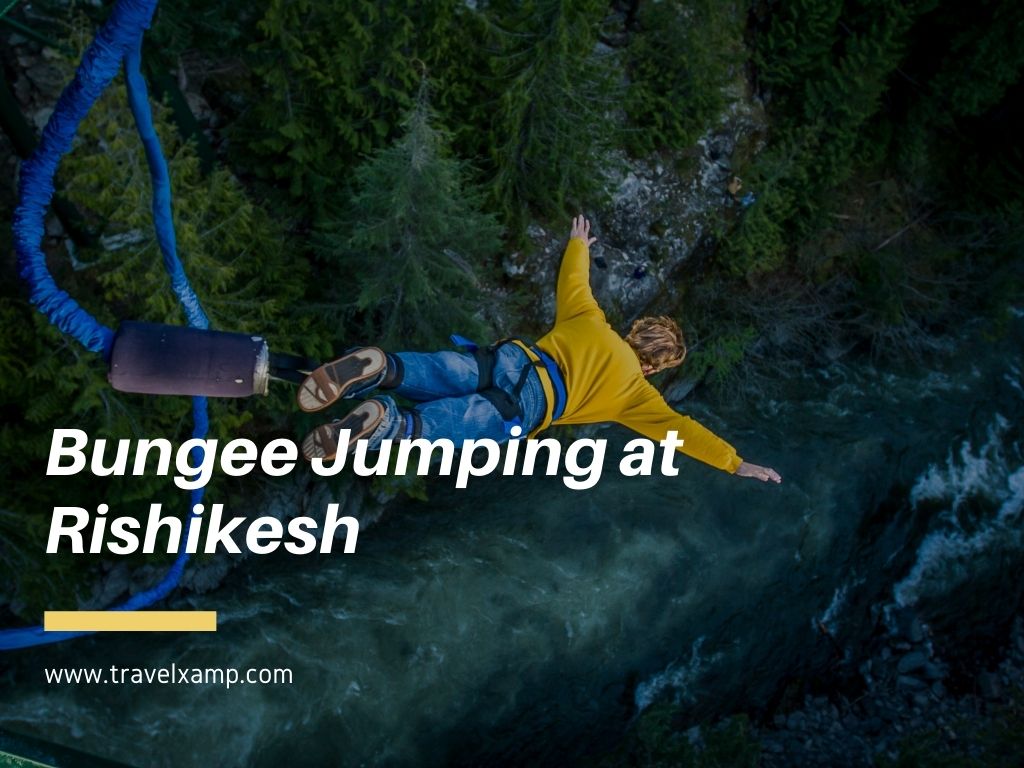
[118, 41]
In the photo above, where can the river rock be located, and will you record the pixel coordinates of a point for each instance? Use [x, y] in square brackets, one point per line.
[41, 117]
[912, 662]
[797, 721]
[207, 576]
[910, 683]
[46, 77]
[989, 685]
[933, 671]
[887, 714]
[792, 743]
[910, 626]
[108, 588]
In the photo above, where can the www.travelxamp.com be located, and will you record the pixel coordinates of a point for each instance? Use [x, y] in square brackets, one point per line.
[172, 675]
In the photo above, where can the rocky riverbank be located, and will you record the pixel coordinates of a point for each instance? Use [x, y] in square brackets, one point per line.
[915, 709]
[902, 707]
[659, 211]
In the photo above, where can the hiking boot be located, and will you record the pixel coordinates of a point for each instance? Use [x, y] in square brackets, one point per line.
[358, 370]
[322, 442]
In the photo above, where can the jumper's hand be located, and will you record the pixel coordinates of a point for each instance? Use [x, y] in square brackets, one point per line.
[581, 229]
[764, 474]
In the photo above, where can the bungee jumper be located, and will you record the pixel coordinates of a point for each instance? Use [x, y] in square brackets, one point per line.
[580, 372]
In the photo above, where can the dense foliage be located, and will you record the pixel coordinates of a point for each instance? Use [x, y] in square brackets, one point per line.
[681, 58]
[333, 81]
[550, 127]
[409, 249]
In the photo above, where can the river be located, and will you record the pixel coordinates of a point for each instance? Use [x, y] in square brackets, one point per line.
[520, 622]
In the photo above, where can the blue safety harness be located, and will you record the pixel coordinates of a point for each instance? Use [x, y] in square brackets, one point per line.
[557, 382]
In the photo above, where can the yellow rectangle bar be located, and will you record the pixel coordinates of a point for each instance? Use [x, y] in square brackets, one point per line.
[130, 621]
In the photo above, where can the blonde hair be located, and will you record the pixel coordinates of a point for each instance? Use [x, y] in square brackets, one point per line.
[657, 341]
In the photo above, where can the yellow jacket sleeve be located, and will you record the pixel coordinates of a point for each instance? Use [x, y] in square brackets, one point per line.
[653, 418]
[573, 296]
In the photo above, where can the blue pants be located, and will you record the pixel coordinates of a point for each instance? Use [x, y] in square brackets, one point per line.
[444, 386]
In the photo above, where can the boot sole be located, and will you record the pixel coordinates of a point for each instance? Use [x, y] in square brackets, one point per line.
[334, 380]
[322, 442]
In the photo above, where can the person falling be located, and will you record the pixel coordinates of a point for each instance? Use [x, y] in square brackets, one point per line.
[580, 372]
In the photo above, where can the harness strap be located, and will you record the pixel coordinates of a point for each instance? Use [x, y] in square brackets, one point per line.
[545, 382]
[412, 424]
[551, 381]
[557, 382]
[504, 403]
[485, 359]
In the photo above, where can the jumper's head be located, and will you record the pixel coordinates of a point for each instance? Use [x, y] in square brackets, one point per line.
[658, 342]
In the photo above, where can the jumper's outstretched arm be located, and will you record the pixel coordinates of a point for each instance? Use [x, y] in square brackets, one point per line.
[764, 474]
[573, 296]
[581, 229]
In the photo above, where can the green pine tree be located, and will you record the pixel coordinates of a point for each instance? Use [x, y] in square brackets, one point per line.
[679, 60]
[827, 67]
[797, 44]
[552, 123]
[984, 59]
[410, 248]
[336, 77]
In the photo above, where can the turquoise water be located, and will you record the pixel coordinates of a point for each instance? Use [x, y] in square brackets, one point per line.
[517, 621]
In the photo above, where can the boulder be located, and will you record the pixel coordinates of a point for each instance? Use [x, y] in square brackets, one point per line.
[874, 725]
[912, 662]
[908, 683]
[934, 671]
[909, 626]
[989, 685]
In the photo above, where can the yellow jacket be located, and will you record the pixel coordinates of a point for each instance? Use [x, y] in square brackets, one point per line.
[602, 373]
